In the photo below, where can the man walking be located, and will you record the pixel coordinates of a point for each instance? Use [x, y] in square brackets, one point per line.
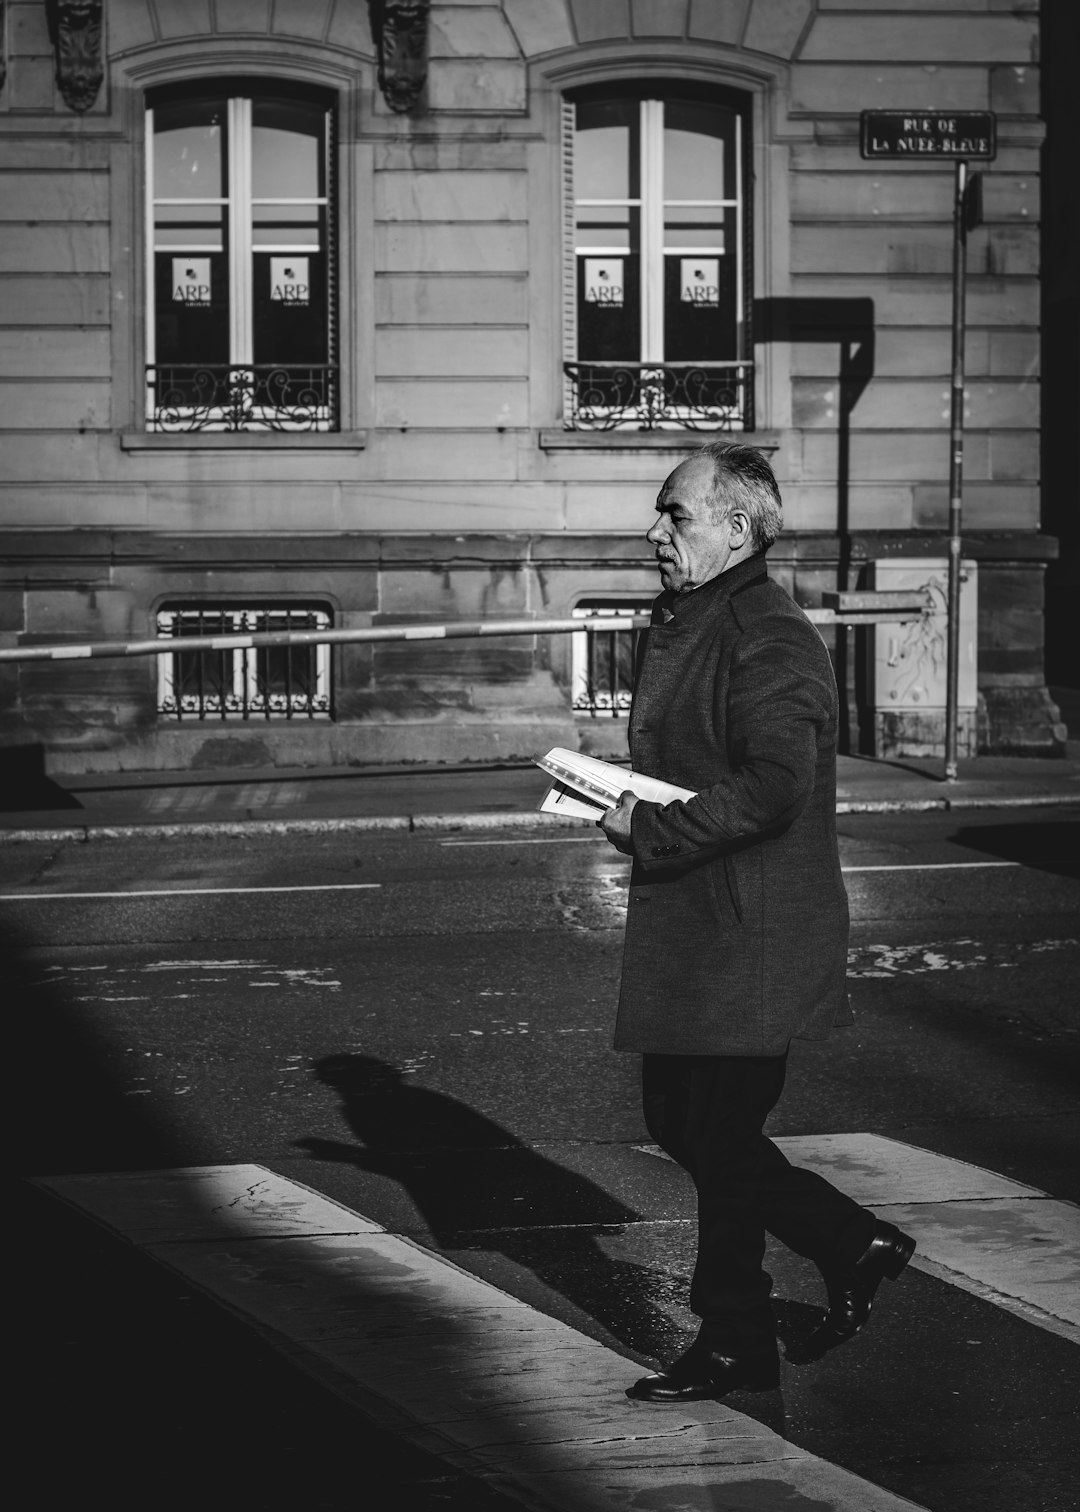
[737, 921]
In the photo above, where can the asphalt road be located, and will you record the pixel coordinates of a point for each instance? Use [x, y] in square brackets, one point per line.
[419, 1026]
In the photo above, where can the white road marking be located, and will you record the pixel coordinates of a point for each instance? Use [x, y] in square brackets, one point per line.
[931, 866]
[885, 867]
[540, 840]
[187, 892]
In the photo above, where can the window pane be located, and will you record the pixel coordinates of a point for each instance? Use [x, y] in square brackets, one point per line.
[607, 226]
[688, 226]
[273, 234]
[193, 226]
[290, 308]
[188, 143]
[605, 150]
[609, 309]
[699, 309]
[696, 138]
[192, 295]
[287, 150]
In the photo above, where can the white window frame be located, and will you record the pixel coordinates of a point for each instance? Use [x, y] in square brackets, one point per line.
[652, 205]
[240, 206]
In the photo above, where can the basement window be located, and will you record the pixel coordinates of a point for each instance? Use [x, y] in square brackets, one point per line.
[603, 661]
[229, 677]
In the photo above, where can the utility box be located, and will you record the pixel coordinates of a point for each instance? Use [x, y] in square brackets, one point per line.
[909, 666]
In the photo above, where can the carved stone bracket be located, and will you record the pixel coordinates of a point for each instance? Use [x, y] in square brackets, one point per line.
[75, 27]
[400, 29]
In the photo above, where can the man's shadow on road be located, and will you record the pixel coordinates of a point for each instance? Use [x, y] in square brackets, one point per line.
[478, 1187]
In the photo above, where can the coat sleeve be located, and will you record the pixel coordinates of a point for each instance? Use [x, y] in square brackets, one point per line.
[781, 696]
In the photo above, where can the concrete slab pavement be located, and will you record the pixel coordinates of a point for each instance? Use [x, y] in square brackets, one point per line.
[313, 800]
[453, 1365]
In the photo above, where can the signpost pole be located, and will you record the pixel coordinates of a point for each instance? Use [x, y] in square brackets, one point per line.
[956, 468]
[930, 135]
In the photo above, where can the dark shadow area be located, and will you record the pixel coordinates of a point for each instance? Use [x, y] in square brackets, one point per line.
[348, 772]
[848, 324]
[478, 1187]
[24, 786]
[1050, 847]
[135, 1385]
[794, 1321]
[1059, 293]
[131, 1384]
[69, 1112]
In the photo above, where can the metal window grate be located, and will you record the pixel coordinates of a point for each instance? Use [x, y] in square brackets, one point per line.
[187, 397]
[603, 662]
[702, 396]
[265, 682]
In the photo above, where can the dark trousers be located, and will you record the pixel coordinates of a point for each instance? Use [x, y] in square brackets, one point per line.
[707, 1112]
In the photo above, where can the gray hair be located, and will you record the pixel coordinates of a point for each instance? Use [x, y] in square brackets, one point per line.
[743, 479]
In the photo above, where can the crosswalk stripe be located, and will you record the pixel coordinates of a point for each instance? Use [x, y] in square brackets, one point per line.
[448, 1361]
[187, 892]
[1004, 1242]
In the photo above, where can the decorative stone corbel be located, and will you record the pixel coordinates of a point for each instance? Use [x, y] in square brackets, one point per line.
[400, 30]
[75, 26]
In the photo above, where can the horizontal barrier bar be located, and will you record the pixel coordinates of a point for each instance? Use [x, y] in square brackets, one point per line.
[171, 645]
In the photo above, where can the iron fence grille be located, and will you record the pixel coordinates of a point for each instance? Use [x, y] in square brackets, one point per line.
[266, 682]
[201, 396]
[701, 396]
[603, 662]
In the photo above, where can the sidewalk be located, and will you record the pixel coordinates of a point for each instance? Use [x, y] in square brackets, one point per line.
[314, 800]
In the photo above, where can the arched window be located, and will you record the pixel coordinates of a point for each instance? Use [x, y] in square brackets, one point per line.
[659, 270]
[240, 274]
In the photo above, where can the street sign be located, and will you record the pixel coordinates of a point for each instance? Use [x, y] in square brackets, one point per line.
[922, 134]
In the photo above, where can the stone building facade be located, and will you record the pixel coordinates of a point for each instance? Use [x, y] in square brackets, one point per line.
[331, 313]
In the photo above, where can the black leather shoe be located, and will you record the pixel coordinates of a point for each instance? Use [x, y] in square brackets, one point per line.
[702, 1374]
[851, 1293]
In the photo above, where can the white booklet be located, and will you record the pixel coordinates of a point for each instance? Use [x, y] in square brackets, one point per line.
[585, 787]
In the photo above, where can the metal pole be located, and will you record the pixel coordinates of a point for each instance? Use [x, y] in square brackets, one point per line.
[956, 470]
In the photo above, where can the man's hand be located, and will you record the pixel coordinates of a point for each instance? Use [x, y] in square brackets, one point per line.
[616, 823]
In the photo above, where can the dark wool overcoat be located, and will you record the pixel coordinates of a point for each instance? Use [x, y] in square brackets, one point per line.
[737, 921]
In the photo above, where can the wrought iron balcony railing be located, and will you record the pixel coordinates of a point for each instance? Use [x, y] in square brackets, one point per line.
[203, 396]
[705, 396]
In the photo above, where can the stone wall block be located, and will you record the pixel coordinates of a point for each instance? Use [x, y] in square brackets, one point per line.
[128, 24]
[1014, 89]
[31, 84]
[12, 613]
[775, 26]
[713, 22]
[443, 593]
[183, 18]
[470, 32]
[658, 18]
[350, 27]
[477, 86]
[301, 18]
[244, 17]
[540, 25]
[952, 37]
[599, 20]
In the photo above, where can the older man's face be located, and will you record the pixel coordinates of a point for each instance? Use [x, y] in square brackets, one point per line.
[692, 546]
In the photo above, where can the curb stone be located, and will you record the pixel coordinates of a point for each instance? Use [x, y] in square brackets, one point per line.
[251, 829]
